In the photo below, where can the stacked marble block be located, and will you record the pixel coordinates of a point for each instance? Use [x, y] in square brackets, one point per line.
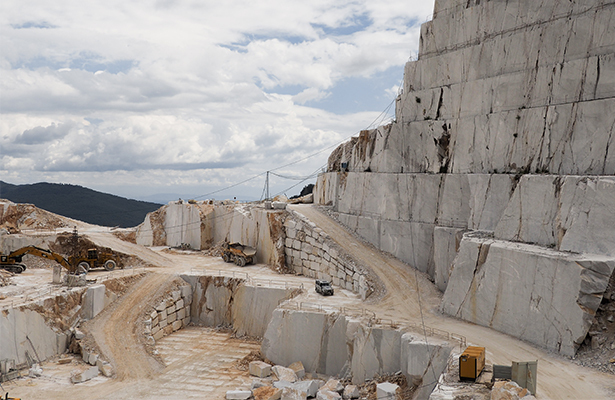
[311, 252]
[171, 314]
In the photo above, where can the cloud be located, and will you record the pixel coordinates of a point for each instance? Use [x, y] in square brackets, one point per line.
[205, 91]
[39, 134]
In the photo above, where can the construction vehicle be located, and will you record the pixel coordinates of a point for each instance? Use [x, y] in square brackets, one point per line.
[94, 259]
[6, 397]
[76, 265]
[471, 362]
[13, 261]
[323, 287]
[238, 253]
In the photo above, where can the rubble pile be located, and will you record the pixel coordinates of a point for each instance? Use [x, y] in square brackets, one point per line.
[276, 381]
[16, 216]
[598, 348]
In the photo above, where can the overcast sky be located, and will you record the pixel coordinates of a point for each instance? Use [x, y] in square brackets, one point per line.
[142, 97]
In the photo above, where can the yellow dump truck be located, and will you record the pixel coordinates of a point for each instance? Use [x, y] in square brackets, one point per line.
[238, 253]
[471, 362]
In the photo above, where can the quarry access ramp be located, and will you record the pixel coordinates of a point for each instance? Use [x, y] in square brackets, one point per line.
[412, 298]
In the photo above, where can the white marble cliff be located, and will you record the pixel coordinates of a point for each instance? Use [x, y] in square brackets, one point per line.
[497, 177]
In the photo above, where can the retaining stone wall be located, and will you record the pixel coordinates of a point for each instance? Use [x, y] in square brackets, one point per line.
[311, 252]
[171, 314]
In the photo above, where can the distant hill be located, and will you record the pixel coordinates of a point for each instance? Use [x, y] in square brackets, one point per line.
[80, 203]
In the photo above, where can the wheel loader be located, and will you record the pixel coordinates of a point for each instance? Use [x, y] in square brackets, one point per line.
[94, 259]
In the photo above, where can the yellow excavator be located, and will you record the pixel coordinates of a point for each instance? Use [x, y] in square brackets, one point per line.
[13, 261]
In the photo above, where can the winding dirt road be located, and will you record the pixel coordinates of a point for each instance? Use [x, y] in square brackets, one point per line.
[557, 377]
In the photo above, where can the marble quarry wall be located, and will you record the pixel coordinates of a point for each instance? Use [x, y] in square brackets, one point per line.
[311, 252]
[232, 302]
[42, 328]
[503, 127]
[206, 223]
[345, 346]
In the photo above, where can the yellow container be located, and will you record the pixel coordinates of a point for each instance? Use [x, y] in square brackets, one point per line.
[471, 362]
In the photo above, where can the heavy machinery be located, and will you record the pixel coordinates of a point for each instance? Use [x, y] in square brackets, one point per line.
[323, 287]
[76, 265]
[94, 259]
[238, 253]
[13, 261]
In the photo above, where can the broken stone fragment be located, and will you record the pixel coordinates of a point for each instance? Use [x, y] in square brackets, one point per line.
[260, 369]
[86, 375]
[327, 395]
[65, 361]
[386, 390]
[104, 368]
[35, 370]
[284, 374]
[238, 394]
[290, 393]
[92, 359]
[310, 388]
[298, 368]
[351, 392]
[333, 385]
[79, 335]
[267, 393]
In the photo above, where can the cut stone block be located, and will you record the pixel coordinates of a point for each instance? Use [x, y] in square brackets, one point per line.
[238, 394]
[171, 317]
[86, 375]
[386, 391]
[260, 369]
[177, 325]
[104, 368]
[284, 374]
[93, 301]
[298, 368]
[158, 335]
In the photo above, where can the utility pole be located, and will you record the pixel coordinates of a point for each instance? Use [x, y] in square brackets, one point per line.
[267, 186]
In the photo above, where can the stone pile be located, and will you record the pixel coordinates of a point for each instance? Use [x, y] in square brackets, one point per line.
[508, 390]
[276, 382]
[311, 252]
[170, 315]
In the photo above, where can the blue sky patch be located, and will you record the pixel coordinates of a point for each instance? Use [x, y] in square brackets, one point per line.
[357, 94]
[34, 25]
[359, 23]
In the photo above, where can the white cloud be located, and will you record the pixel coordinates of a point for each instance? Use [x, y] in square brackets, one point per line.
[206, 91]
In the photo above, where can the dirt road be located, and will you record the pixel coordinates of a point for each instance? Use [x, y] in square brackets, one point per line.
[557, 377]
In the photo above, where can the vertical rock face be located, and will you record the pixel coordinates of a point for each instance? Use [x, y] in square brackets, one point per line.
[503, 126]
[205, 223]
[339, 345]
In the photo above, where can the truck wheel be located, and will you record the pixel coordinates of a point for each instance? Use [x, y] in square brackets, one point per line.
[226, 257]
[84, 265]
[110, 265]
[240, 261]
[81, 270]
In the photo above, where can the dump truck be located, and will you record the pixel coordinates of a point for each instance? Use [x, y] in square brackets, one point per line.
[13, 261]
[94, 258]
[239, 254]
[471, 362]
